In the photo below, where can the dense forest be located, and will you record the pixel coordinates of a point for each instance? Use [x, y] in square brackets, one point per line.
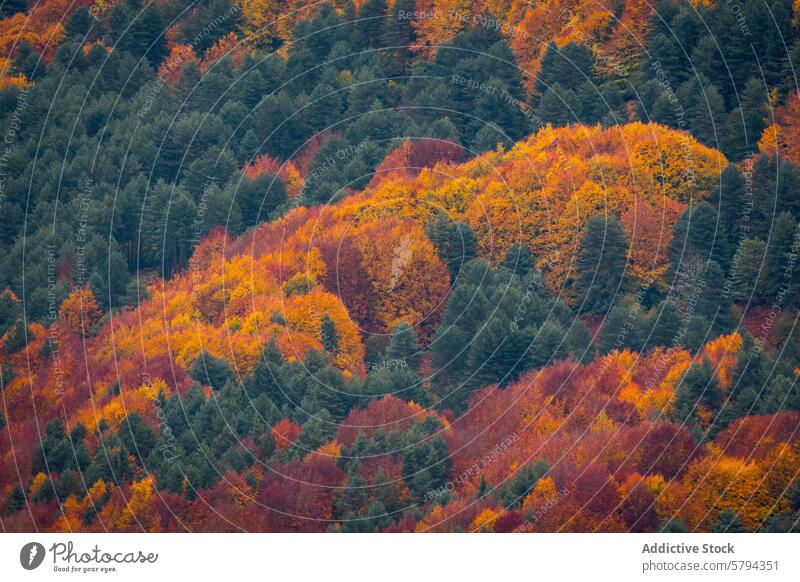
[390, 266]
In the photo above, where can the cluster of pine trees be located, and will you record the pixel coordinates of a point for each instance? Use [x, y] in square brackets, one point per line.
[142, 169]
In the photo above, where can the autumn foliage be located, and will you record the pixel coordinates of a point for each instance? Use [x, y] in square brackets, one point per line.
[611, 30]
[782, 137]
[366, 264]
[263, 384]
[542, 192]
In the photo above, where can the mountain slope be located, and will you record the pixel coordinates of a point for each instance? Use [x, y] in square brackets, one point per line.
[591, 435]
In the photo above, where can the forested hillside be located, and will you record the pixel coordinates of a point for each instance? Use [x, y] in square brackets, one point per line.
[388, 266]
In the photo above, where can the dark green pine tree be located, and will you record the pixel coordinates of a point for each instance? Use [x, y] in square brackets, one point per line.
[398, 381]
[775, 183]
[501, 113]
[79, 24]
[514, 493]
[612, 334]
[323, 390]
[786, 341]
[137, 436]
[489, 138]
[698, 236]
[668, 56]
[399, 36]
[80, 454]
[15, 500]
[324, 108]
[455, 242]
[559, 106]
[501, 60]
[570, 66]
[317, 430]
[494, 354]
[302, 73]
[12, 7]
[728, 198]
[782, 523]
[518, 260]
[371, 24]
[549, 343]
[663, 325]
[728, 522]
[579, 342]
[793, 496]
[279, 129]
[779, 26]
[601, 265]
[783, 394]
[778, 275]
[592, 108]
[319, 34]
[646, 95]
[747, 122]
[377, 517]
[705, 110]
[403, 346]
[621, 329]
[792, 57]
[712, 302]
[672, 525]
[258, 199]
[750, 379]
[664, 110]
[28, 62]
[328, 335]
[735, 48]
[745, 285]
[706, 58]
[10, 311]
[353, 495]
[698, 387]
[55, 452]
[182, 216]
[210, 371]
[467, 308]
[426, 465]
[222, 211]
[609, 106]
[483, 488]
[252, 87]
[137, 28]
